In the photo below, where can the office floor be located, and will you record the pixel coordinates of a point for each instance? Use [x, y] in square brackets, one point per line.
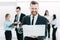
[2, 36]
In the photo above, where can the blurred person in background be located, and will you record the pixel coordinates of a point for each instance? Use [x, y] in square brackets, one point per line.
[49, 23]
[18, 20]
[7, 23]
[54, 26]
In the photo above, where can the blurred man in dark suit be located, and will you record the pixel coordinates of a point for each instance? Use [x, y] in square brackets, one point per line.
[35, 19]
[18, 21]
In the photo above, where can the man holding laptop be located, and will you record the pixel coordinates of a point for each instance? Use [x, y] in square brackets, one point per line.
[35, 19]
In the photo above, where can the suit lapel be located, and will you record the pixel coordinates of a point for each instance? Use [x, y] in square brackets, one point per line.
[29, 20]
[16, 17]
[20, 17]
[37, 19]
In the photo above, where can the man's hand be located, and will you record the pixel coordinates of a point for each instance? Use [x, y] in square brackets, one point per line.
[17, 22]
[33, 36]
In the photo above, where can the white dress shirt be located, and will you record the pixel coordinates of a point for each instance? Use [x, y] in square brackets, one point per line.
[54, 22]
[35, 19]
[49, 18]
[18, 19]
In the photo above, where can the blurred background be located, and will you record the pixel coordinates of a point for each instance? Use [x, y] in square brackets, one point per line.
[9, 6]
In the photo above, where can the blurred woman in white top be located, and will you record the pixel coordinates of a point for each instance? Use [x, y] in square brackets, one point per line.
[54, 26]
[7, 23]
[46, 15]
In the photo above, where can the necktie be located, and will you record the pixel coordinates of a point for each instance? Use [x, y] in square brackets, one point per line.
[17, 20]
[32, 20]
[18, 26]
[17, 17]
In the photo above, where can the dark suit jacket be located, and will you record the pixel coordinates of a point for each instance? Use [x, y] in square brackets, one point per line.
[40, 21]
[21, 17]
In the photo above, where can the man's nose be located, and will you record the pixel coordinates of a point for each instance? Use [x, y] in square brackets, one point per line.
[34, 10]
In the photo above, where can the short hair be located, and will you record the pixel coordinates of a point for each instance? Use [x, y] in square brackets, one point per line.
[33, 2]
[6, 15]
[18, 8]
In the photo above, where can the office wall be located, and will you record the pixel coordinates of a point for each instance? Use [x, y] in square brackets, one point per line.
[52, 6]
[6, 7]
[9, 7]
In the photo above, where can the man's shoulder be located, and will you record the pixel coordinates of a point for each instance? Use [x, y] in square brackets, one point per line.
[26, 17]
[16, 15]
[22, 14]
[43, 18]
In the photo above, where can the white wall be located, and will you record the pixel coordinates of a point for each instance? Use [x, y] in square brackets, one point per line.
[6, 8]
[52, 7]
[9, 7]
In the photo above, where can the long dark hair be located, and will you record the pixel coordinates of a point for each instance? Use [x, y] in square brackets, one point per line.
[54, 16]
[45, 12]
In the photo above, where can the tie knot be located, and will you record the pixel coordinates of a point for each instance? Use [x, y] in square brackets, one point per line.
[17, 14]
[33, 16]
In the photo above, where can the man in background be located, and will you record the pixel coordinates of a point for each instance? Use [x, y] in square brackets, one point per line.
[18, 21]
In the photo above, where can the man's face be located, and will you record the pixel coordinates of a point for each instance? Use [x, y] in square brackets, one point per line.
[17, 10]
[34, 9]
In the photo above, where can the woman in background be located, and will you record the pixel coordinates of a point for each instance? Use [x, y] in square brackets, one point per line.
[54, 26]
[7, 23]
[46, 15]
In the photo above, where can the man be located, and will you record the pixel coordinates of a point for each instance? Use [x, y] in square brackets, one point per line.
[18, 21]
[35, 19]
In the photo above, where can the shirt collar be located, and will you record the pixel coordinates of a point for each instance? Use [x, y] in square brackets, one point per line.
[35, 16]
[19, 14]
